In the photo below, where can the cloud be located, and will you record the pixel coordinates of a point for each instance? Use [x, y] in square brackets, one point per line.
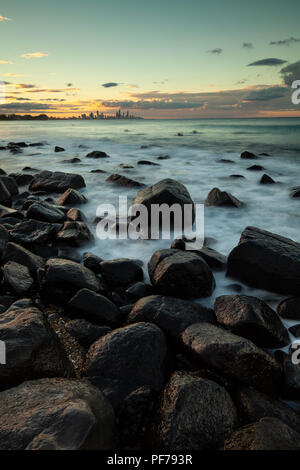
[266, 94]
[272, 62]
[110, 84]
[24, 107]
[34, 55]
[217, 51]
[247, 45]
[13, 74]
[4, 18]
[291, 72]
[153, 104]
[5, 62]
[24, 86]
[285, 42]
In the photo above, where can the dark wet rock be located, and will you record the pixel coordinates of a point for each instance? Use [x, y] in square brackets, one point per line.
[213, 258]
[194, 414]
[139, 290]
[295, 330]
[289, 308]
[295, 192]
[163, 157]
[126, 359]
[8, 212]
[133, 416]
[74, 233]
[264, 154]
[266, 434]
[55, 414]
[56, 182]
[291, 373]
[84, 332]
[17, 144]
[66, 252]
[254, 405]
[126, 166]
[59, 149]
[21, 179]
[121, 272]
[123, 181]
[265, 260]
[7, 300]
[5, 196]
[92, 262]
[72, 160]
[45, 212]
[97, 154]
[231, 355]
[3, 239]
[167, 191]
[33, 231]
[21, 255]
[248, 156]
[45, 251]
[28, 168]
[251, 318]
[256, 168]
[266, 179]
[37, 144]
[180, 274]
[71, 196]
[236, 177]
[76, 215]
[17, 277]
[93, 307]
[98, 171]
[222, 198]
[147, 162]
[226, 160]
[32, 348]
[172, 315]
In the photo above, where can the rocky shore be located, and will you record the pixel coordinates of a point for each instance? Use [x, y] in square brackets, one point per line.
[97, 357]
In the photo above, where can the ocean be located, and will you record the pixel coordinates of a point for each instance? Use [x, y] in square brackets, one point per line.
[194, 161]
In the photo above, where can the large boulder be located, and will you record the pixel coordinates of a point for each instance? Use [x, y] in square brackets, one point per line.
[30, 231]
[10, 184]
[172, 315]
[97, 154]
[265, 260]
[216, 197]
[231, 355]
[126, 359]
[55, 414]
[194, 414]
[5, 196]
[266, 434]
[74, 234]
[180, 274]
[56, 182]
[289, 308]
[45, 212]
[251, 318]
[71, 196]
[32, 348]
[248, 156]
[121, 271]
[95, 307]
[4, 235]
[21, 255]
[17, 277]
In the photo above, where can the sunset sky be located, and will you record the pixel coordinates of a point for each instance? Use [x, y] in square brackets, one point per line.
[157, 59]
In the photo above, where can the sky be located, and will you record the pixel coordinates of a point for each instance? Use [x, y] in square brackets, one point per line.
[158, 59]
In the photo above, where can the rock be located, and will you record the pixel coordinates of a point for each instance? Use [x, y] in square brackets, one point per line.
[248, 156]
[68, 276]
[180, 274]
[172, 315]
[92, 262]
[289, 308]
[167, 191]
[6, 212]
[226, 160]
[147, 162]
[267, 261]
[84, 332]
[93, 307]
[163, 157]
[266, 434]
[21, 179]
[97, 154]
[21, 255]
[126, 359]
[139, 290]
[222, 198]
[251, 318]
[74, 233]
[56, 182]
[45, 212]
[237, 177]
[32, 348]
[123, 181]
[7, 300]
[72, 160]
[3, 239]
[17, 277]
[256, 168]
[121, 272]
[195, 414]
[71, 196]
[10, 184]
[266, 179]
[291, 373]
[59, 149]
[30, 231]
[295, 330]
[75, 215]
[133, 416]
[254, 405]
[17, 144]
[295, 193]
[5, 196]
[213, 258]
[231, 355]
[55, 414]
[98, 171]
[66, 252]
